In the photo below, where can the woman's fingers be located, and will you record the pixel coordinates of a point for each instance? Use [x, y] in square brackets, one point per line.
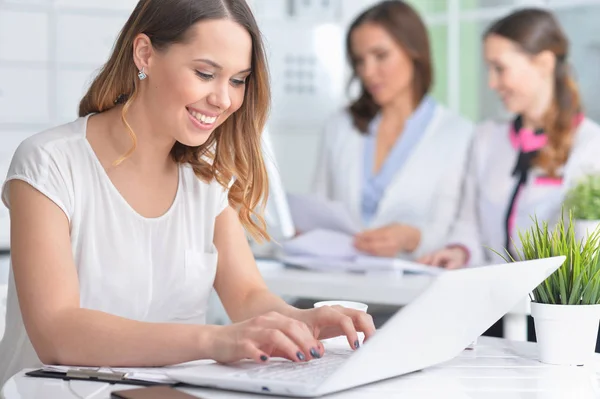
[275, 335]
[334, 316]
[376, 247]
[252, 351]
[425, 259]
[283, 344]
[296, 331]
[302, 336]
[452, 264]
[362, 322]
[440, 258]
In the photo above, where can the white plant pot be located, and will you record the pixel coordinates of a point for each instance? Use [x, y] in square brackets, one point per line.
[583, 228]
[566, 334]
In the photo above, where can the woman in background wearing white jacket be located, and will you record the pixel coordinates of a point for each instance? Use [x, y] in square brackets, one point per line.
[522, 168]
[395, 157]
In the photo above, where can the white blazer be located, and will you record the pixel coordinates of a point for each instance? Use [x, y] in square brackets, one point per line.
[489, 185]
[425, 193]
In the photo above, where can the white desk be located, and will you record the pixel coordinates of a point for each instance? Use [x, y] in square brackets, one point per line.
[497, 368]
[383, 288]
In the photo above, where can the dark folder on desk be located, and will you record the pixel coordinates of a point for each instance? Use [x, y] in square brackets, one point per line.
[93, 375]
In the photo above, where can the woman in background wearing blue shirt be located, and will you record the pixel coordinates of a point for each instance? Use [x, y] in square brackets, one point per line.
[395, 156]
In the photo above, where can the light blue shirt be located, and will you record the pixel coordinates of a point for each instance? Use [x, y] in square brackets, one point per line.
[374, 185]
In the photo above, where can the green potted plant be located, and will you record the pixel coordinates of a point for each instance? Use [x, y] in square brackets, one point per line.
[583, 199]
[566, 306]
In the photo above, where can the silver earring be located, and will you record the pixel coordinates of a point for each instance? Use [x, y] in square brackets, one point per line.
[142, 75]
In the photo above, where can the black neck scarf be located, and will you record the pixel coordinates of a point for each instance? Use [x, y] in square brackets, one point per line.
[528, 144]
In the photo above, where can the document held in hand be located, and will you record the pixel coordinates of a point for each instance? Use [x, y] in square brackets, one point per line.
[326, 240]
[311, 212]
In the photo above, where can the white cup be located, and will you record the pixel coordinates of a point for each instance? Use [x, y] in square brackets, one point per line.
[346, 304]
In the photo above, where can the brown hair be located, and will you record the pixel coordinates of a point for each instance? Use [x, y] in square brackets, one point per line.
[403, 23]
[534, 31]
[234, 148]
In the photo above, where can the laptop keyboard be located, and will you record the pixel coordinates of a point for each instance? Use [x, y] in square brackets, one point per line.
[311, 372]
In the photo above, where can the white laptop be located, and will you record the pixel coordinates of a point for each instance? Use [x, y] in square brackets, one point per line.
[437, 326]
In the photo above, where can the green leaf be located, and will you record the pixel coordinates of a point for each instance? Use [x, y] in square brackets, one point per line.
[583, 199]
[577, 280]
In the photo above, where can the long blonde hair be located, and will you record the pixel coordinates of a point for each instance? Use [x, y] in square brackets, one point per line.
[234, 148]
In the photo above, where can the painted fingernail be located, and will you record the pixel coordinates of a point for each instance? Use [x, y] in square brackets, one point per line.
[300, 356]
[356, 344]
[264, 358]
[314, 353]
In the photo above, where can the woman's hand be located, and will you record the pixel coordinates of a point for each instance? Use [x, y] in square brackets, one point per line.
[448, 258]
[262, 337]
[295, 338]
[332, 321]
[388, 241]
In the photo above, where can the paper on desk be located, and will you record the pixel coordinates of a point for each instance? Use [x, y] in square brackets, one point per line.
[334, 251]
[311, 212]
[400, 264]
[323, 244]
[360, 264]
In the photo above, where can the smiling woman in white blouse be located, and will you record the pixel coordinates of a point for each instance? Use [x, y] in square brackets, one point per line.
[124, 220]
[395, 156]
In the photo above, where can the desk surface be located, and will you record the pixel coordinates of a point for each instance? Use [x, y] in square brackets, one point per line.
[388, 288]
[495, 369]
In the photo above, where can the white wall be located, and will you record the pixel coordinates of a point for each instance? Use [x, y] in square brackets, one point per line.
[317, 31]
[49, 50]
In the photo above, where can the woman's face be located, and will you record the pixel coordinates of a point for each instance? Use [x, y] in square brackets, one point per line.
[383, 66]
[520, 79]
[193, 87]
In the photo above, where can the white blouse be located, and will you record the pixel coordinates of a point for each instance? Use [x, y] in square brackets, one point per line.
[148, 269]
[490, 184]
[425, 193]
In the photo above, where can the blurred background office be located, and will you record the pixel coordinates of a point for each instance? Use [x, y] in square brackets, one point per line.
[50, 49]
